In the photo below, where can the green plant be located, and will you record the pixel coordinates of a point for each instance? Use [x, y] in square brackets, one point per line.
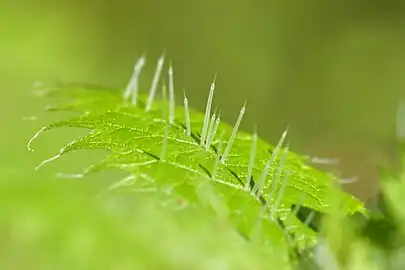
[193, 162]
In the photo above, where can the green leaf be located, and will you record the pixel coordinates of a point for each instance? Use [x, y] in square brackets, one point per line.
[161, 158]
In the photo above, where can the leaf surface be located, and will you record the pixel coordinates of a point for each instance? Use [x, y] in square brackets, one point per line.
[160, 157]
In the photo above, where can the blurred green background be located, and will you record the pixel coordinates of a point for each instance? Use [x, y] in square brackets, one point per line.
[331, 70]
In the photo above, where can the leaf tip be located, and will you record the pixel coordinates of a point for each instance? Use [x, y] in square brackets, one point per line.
[36, 135]
[47, 161]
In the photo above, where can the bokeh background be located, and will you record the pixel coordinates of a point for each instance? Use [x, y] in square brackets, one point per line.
[333, 71]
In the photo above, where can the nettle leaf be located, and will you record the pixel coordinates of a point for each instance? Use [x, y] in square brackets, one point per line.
[190, 159]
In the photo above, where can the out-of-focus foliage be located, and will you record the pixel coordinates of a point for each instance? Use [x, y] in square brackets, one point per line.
[52, 225]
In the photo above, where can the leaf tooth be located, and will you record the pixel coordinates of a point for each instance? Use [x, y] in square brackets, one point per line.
[208, 111]
[155, 81]
[36, 135]
[234, 132]
[210, 130]
[280, 195]
[260, 183]
[164, 143]
[133, 85]
[214, 130]
[48, 160]
[171, 95]
[251, 160]
[187, 114]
